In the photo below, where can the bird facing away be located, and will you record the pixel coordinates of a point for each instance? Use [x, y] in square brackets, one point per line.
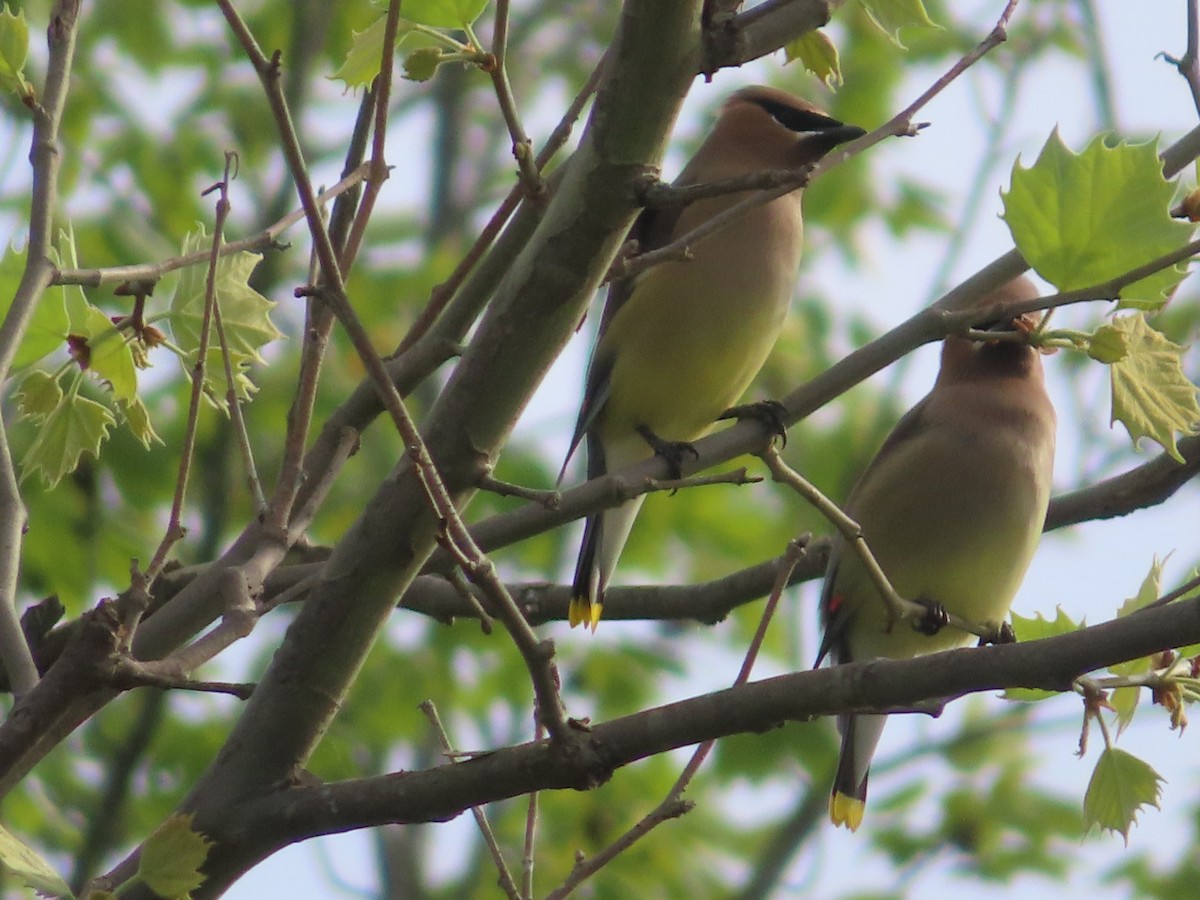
[952, 507]
[682, 341]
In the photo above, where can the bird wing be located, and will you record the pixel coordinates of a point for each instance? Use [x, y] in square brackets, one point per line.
[653, 228]
[836, 616]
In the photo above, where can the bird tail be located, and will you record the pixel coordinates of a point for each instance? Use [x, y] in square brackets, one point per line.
[587, 593]
[604, 537]
[848, 802]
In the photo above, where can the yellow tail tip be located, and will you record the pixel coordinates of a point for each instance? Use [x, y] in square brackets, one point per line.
[846, 810]
[583, 612]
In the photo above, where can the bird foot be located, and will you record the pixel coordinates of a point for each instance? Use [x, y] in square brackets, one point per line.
[933, 620]
[770, 413]
[998, 634]
[673, 452]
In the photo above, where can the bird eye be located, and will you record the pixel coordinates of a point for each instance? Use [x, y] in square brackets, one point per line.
[795, 119]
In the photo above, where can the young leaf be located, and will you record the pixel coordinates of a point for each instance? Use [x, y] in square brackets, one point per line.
[892, 15]
[361, 64]
[1032, 630]
[1124, 701]
[14, 45]
[1040, 627]
[172, 856]
[1146, 594]
[443, 13]
[106, 353]
[1151, 396]
[216, 388]
[818, 55]
[1121, 785]
[48, 325]
[76, 426]
[28, 868]
[38, 395]
[1083, 218]
[138, 420]
[1148, 591]
[245, 313]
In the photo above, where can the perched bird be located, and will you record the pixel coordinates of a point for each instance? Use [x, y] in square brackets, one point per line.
[952, 507]
[680, 342]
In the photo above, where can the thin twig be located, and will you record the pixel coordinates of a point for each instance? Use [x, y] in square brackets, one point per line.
[174, 531]
[1188, 65]
[290, 486]
[531, 820]
[45, 155]
[134, 674]
[442, 294]
[1182, 591]
[900, 124]
[538, 654]
[899, 608]
[232, 401]
[548, 499]
[489, 837]
[673, 805]
[151, 272]
[459, 582]
[378, 165]
[522, 146]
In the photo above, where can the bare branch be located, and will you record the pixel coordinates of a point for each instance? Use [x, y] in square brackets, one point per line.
[46, 157]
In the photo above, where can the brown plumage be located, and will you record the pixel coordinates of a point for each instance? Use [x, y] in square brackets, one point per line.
[952, 506]
[682, 341]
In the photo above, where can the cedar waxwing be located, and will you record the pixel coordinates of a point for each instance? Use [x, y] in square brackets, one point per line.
[952, 507]
[680, 342]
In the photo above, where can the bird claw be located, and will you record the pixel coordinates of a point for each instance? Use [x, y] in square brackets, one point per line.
[999, 634]
[673, 452]
[933, 620]
[770, 413]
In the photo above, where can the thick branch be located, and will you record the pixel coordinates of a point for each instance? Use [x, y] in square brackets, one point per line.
[262, 826]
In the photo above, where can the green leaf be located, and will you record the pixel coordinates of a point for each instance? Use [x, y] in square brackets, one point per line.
[1151, 395]
[1082, 219]
[1124, 701]
[76, 426]
[1033, 630]
[457, 14]
[38, 395]
[1040, 627]
[889, 15]
[1147, 593]
[171, 858]
[138, 420]
[361, 64]
[1149, 590]
[74, 300]
[104, 351]
[216, 387]
[107, 354]
[14, 46]
[23, 864]
[245, 313]
[1120, 786]
[817, 53]
[47, 326]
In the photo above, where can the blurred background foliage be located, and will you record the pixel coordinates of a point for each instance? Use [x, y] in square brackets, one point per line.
[160, 92]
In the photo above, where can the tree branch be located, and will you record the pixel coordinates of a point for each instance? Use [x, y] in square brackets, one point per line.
[259, 827]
